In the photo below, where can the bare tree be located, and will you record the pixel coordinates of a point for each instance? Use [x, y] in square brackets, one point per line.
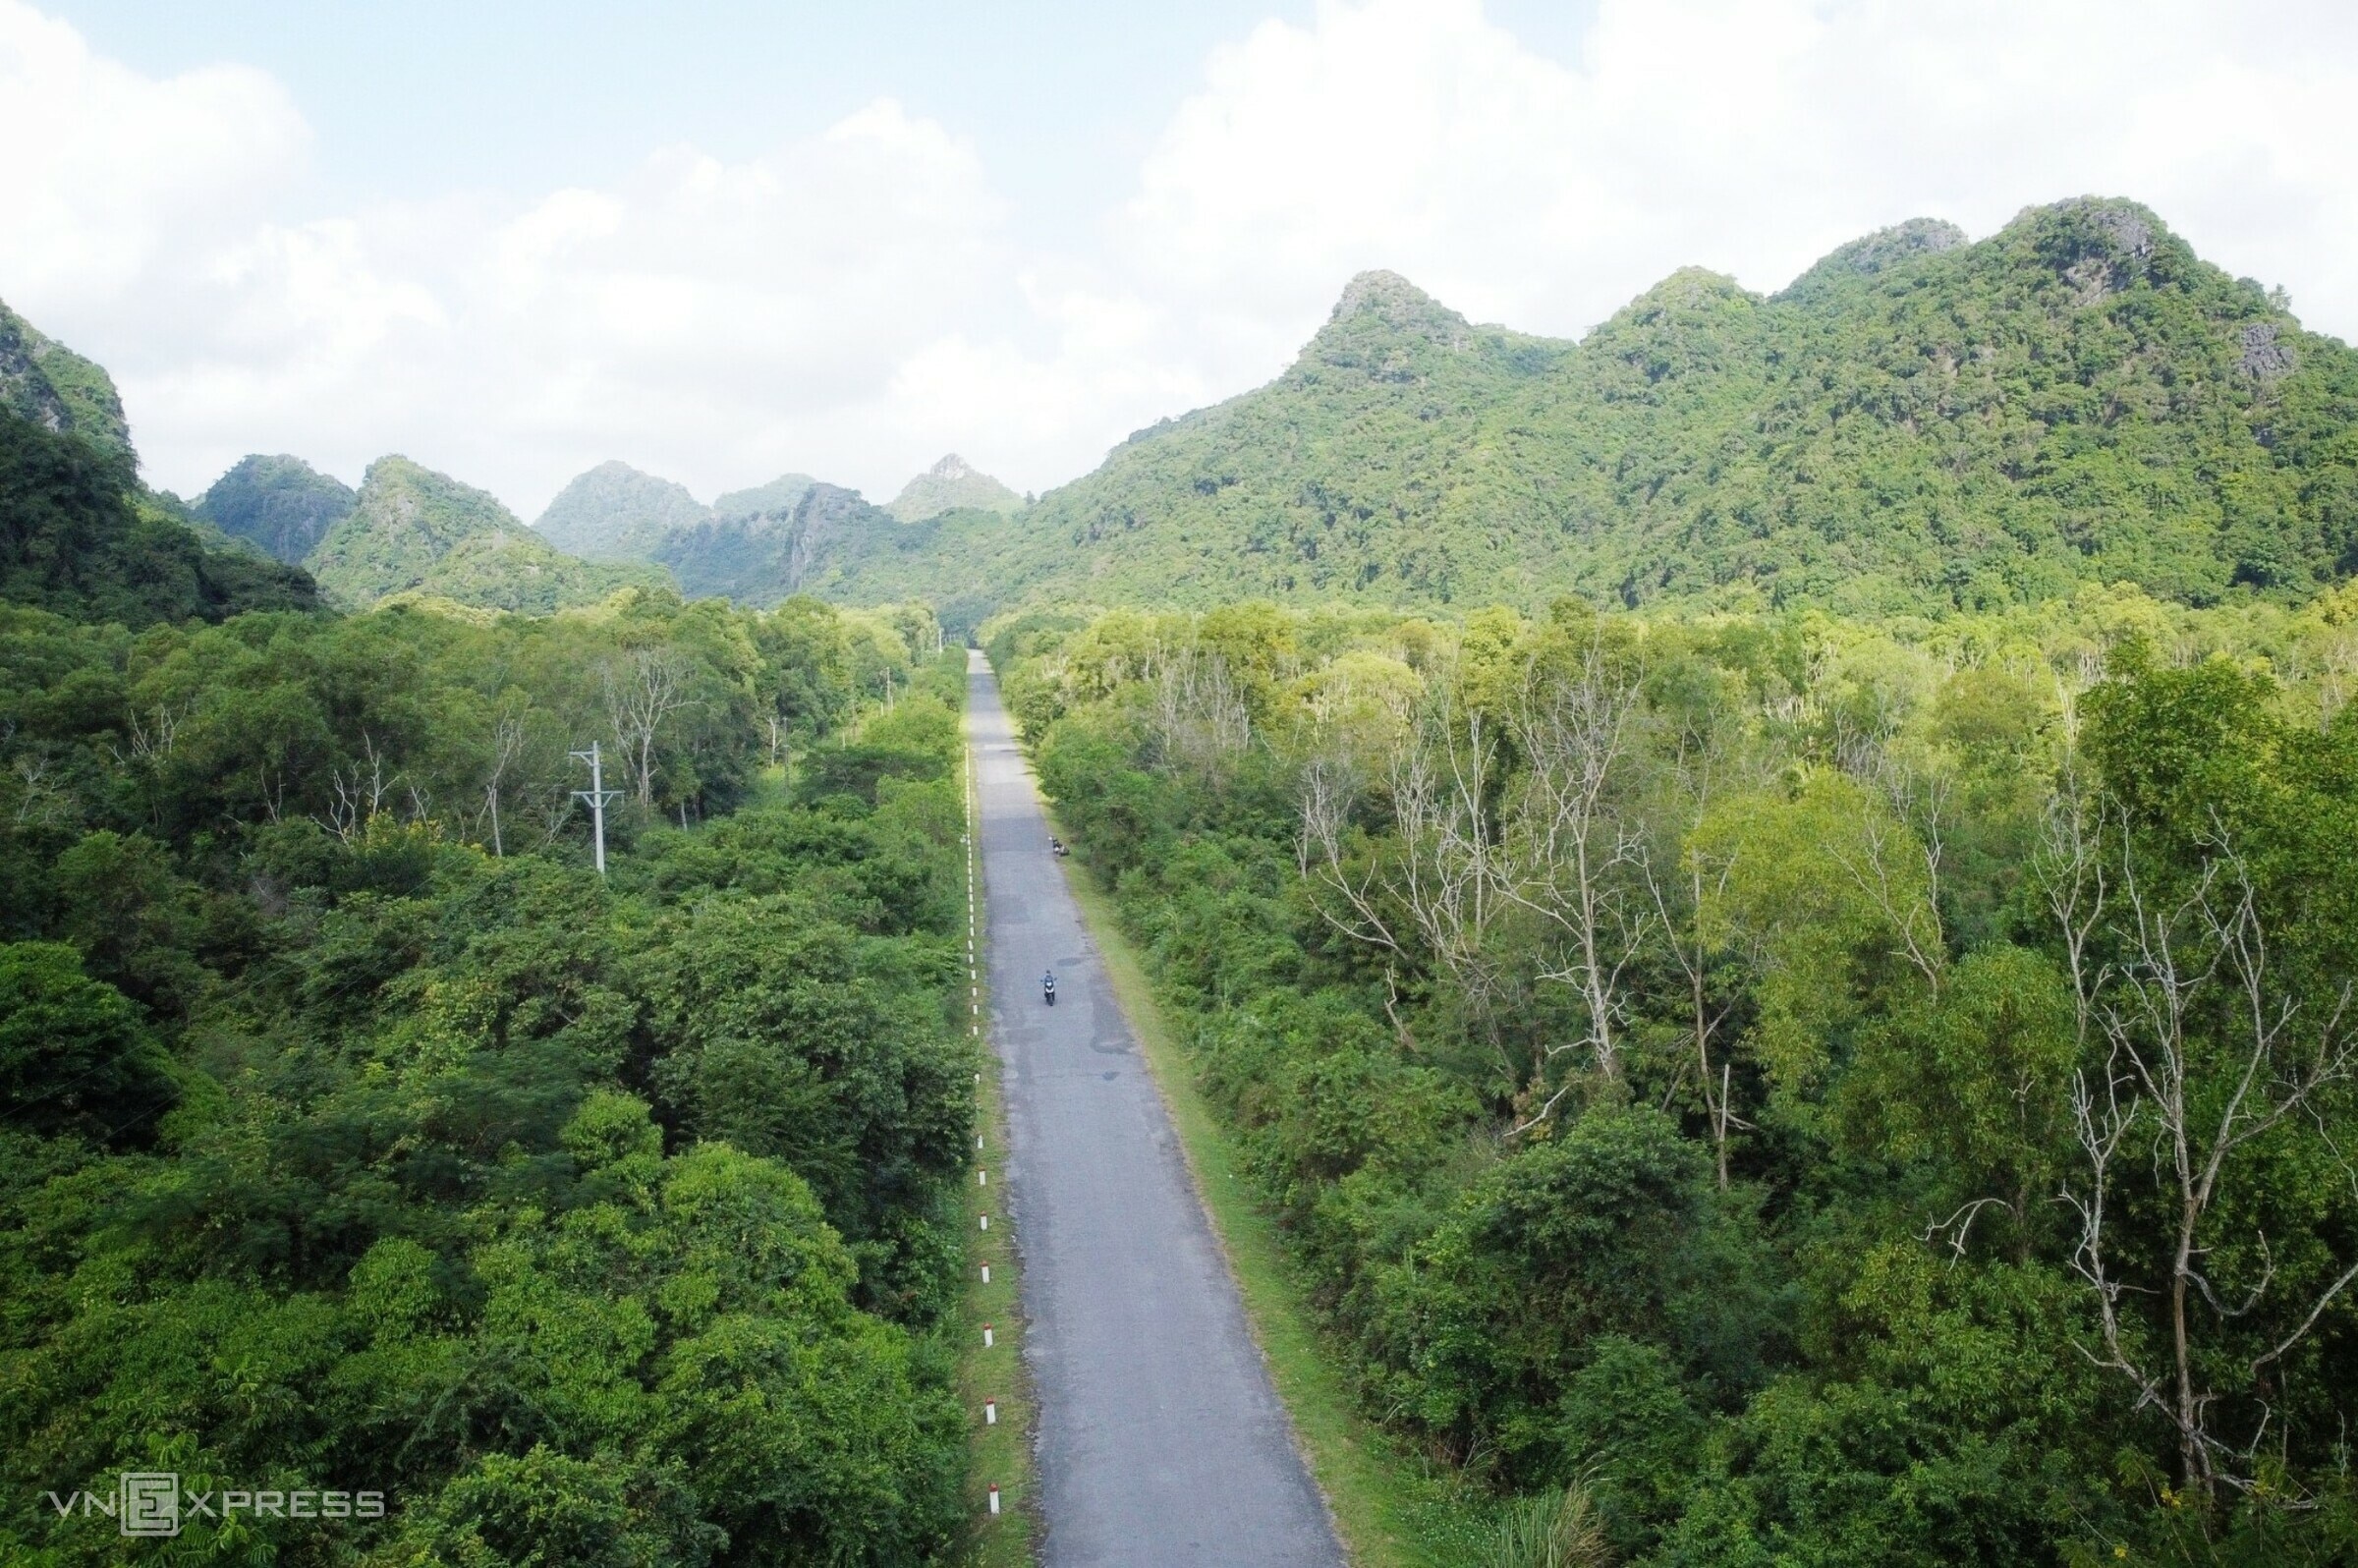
[1571, 857]
[1679, 900]
[507, 750]
[152, 734]
[643, 689]
[358, 790]
[1196, 710]
[1440, 875]
[41, 801]
[1911, 829]
[2207, 1049]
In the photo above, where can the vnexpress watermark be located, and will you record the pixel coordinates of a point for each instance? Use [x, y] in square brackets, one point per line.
[152, 1502]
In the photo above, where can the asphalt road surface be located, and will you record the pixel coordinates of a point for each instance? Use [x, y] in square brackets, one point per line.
[1160, 1439]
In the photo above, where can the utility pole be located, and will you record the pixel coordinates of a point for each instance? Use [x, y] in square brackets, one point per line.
[599, 798]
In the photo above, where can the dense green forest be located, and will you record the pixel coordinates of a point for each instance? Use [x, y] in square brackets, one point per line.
[1824, 1091]
[361, 1138]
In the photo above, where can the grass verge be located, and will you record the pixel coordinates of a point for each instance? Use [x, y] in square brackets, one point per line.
[999, 1453]
[1392, 1508]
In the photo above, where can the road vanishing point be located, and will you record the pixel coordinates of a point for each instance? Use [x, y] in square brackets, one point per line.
[1160, 1439]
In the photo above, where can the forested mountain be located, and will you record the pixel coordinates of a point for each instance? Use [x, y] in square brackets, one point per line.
[414, 532]
[947, 486]
[77, 532]
[44, 381]
[1916, 423]
[77, 537]
[615, 513]
[281, 505]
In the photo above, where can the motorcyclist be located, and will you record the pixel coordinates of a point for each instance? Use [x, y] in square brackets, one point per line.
[1047, 987]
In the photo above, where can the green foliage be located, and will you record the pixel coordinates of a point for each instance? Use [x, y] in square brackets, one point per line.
[74, 540]
[1802, 1271]
[1554, 1530]
[415, 532]
[360, 1136]
[74, 1057]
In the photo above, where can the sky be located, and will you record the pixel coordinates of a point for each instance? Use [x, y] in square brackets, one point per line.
[722, 242]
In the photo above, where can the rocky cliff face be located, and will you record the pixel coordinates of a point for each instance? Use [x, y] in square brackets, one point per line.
[44, 381]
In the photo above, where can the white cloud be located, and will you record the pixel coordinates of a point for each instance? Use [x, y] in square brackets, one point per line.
[105, 167]
[1747, 135]
[859, 300]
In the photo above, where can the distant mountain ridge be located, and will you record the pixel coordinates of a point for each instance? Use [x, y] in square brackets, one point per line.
[1917, 423]
[949, 485]
[413, 531]
[794, 535]
[616, 513]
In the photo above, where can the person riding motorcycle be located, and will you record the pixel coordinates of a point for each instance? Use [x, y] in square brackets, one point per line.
[1047, 987]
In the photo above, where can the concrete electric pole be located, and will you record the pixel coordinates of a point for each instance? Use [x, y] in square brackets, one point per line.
[599, 798]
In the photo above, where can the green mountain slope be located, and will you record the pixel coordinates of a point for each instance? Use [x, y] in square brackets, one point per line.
[78, 540]
[79, 534]
[616, 513]
[949, 485]
[416, 531]
[1916, 423]
[44, 381]
[280, 504]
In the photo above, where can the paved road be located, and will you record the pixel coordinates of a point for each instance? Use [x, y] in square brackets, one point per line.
[1160, 1439]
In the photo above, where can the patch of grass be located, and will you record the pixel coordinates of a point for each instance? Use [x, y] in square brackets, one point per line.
[1394, 1509]
[1001, 1453]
